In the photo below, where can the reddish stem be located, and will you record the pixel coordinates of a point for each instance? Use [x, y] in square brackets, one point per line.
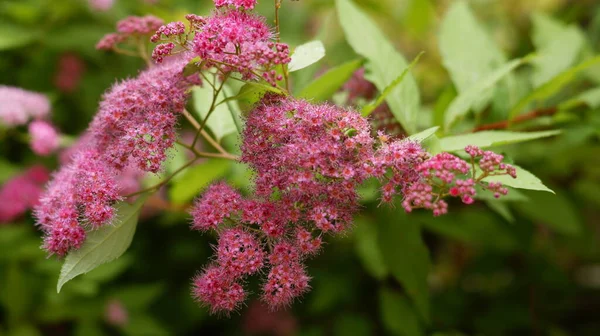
[524, 117]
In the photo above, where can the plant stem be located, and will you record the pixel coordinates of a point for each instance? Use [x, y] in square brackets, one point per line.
[210, 110]
[524, 117]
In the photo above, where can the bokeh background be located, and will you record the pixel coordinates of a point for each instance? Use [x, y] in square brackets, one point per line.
[535, 271]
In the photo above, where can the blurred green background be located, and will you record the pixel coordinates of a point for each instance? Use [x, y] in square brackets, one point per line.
[528, 268]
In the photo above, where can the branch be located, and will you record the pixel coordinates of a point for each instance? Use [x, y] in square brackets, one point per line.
[524, 117]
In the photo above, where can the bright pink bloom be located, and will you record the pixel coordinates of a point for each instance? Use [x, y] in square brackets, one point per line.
[44, 137]
[284, 283]
[218, 202]
[17, 106]
[22, 193]
[239, 253]
[215, 288]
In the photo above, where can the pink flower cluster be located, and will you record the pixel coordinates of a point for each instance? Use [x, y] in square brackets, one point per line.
[130, 134]
[18, 106]
[70, 71]
[309, 160]
[44, 137]
[247, 4]
[22, 193]
[231, 40]
[130, 27]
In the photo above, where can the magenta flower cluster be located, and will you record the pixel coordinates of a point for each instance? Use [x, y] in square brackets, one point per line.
[22, 193]
[308, 162]
[130, 134]
[231, 40]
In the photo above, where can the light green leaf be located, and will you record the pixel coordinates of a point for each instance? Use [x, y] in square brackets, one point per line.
[197, 178]
[487, 139]
[397, 313]
[7, 170]
[524, 180]
[423, 135]
[545, 29]
[12, 36]
[250, 93]
[468, 52]
[306, 54]
[367, 249]
[105, 244]
[405, 255]
[327, 84]
[556, 211]
[384, 64]
[469, 97]
[369, 108]
[557, 56]
[590, 98]
[553, 86]
[220, 121]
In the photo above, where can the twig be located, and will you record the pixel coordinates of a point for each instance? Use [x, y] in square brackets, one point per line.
[524, 117]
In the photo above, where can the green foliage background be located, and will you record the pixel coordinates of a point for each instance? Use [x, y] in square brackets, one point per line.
[527, 264]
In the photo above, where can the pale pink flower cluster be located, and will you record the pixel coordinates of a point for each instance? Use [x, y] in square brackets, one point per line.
[44, 137]
[130, 27]
[101, 5]
[247, 4]
[22, 193]
[18, 106]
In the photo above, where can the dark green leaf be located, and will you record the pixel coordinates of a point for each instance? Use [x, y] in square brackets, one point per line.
[397, 313]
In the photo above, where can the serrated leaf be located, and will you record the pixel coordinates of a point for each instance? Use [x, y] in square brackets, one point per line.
[487, 139]
[397, 314]
[306, 54]
[405, 255]
[556, 211]
[369, 108]
[466, 100]
[468, 52]
[551, 87]
[423, 135]
[197, 178]
[220, 121]
[384, 64]
[330, 82]
[524, 180]
[105, 244]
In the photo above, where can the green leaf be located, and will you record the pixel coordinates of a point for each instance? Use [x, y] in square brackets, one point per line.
[306, 54]
[330, 82]
[590, 98]
[397, 313]
[367, 249]
[469, 97]
[12, 36]
[477, 228]
[384, 64]
[104, 244]
[250, 93]
[468, 53]
[220, 121]
[556, 211]
[197, 178]
[352, 324]
[405, 255]
[551, 87]
[7, 170]
[424, 135]
[369, 108]
[487, 139]
[502, 209]
[524, 180]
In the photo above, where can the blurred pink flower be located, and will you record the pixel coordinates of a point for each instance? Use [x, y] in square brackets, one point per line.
[44, 137]
[22, 193]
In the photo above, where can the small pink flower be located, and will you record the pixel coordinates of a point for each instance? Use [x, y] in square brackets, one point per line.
[44, 137]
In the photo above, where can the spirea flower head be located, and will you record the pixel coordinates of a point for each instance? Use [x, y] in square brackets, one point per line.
[285, 282]
[21, 193]
[44, 137]
[239, 253]
[137, 117]
[17, 106]
[218, 202]
[217, 289]
[238, 41]
[246, 4]
[131, 26]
